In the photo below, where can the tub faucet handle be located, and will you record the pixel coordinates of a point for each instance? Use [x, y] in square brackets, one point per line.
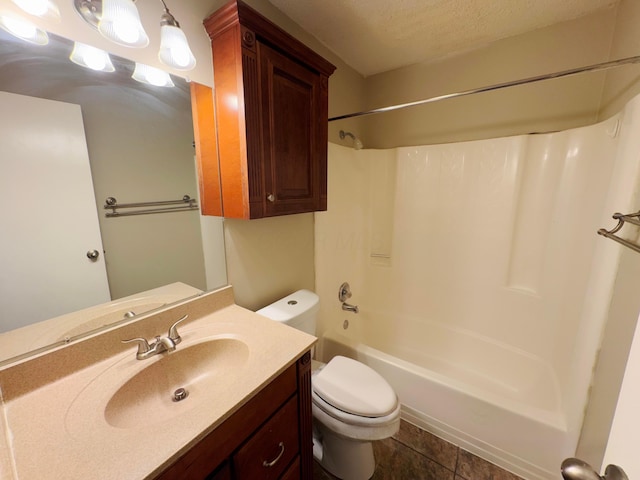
[345, 292]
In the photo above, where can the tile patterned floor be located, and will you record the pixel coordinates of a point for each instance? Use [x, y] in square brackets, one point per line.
[413, 454]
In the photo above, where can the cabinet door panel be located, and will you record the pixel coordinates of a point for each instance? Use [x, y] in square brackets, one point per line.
[293, 107]
[290, 98]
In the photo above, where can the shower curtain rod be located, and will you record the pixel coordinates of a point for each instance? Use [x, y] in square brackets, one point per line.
[498, 86]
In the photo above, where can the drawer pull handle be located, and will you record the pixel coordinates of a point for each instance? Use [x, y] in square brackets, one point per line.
[275, 460]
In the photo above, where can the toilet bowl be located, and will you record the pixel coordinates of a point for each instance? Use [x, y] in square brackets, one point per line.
[352, 404]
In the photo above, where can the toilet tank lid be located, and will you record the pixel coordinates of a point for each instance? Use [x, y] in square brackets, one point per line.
[355, 388]
[298, 303]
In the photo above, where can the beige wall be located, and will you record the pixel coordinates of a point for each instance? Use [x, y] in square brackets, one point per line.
[269, 258]
[545, 106]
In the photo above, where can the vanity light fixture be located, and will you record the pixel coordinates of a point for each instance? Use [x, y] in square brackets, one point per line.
[39, 8]
[23, 29]
[91, 57]
[152, 76]
[119, 21]
[174, 48]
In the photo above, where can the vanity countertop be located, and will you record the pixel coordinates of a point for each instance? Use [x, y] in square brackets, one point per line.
[54, 423]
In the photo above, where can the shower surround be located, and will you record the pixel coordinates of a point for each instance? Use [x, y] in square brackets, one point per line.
[482, 285]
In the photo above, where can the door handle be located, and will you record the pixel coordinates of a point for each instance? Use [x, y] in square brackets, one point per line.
[93, 255]
[576, 469]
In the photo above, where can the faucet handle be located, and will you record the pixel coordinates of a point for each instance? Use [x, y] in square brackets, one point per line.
[344, 293]
[143, 345]
[173, 331]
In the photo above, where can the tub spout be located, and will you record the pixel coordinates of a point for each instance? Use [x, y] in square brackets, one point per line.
[349, 308]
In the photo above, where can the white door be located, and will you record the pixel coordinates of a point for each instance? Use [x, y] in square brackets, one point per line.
[624, 438]
[48, 216]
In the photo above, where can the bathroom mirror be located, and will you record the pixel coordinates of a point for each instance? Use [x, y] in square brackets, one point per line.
[140, 147]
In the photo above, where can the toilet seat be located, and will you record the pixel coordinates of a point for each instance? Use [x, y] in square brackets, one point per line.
[320, 406]
[353, 392]
[347, 425]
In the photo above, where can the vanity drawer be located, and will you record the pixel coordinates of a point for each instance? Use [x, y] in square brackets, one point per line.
[270, 450]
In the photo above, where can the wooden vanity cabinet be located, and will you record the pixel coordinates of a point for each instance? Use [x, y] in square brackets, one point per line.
[271, 112]
[268, 438]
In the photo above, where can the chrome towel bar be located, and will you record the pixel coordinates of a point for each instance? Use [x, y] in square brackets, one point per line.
[633, 218]
[185, 204]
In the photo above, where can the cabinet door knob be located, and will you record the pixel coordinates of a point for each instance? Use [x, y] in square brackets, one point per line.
[93, 255]
[271, 197]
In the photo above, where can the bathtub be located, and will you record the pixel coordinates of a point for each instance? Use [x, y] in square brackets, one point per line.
[495, 401]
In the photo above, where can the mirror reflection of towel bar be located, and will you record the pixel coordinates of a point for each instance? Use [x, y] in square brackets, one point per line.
[186, 203]
[633, 218]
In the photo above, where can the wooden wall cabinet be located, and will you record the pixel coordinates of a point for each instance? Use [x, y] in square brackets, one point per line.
[271, 111]
[268, 438]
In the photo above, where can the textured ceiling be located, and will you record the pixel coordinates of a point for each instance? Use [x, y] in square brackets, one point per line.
[375, 36]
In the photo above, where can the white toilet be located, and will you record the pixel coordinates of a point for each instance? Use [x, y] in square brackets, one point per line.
[352, 404]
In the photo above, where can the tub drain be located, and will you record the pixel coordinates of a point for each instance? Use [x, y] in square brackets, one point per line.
[180, 394]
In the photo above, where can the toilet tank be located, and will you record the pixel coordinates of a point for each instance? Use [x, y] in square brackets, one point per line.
[298, 310]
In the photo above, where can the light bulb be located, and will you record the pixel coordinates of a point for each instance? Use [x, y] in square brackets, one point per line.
[20, 28]
[120, 23]
[33, 7]
[39, 8]
[174, 48]
[126, 30]
[91, 57]
[152, 76]
[24, 30]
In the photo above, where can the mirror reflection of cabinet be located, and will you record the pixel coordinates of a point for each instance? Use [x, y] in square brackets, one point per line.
[271, 101]
[206, 149]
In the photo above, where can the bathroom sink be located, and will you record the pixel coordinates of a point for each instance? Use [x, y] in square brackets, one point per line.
[199, 370]
[137, 394]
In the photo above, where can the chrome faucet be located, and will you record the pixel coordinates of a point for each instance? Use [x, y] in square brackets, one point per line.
[161, 344]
